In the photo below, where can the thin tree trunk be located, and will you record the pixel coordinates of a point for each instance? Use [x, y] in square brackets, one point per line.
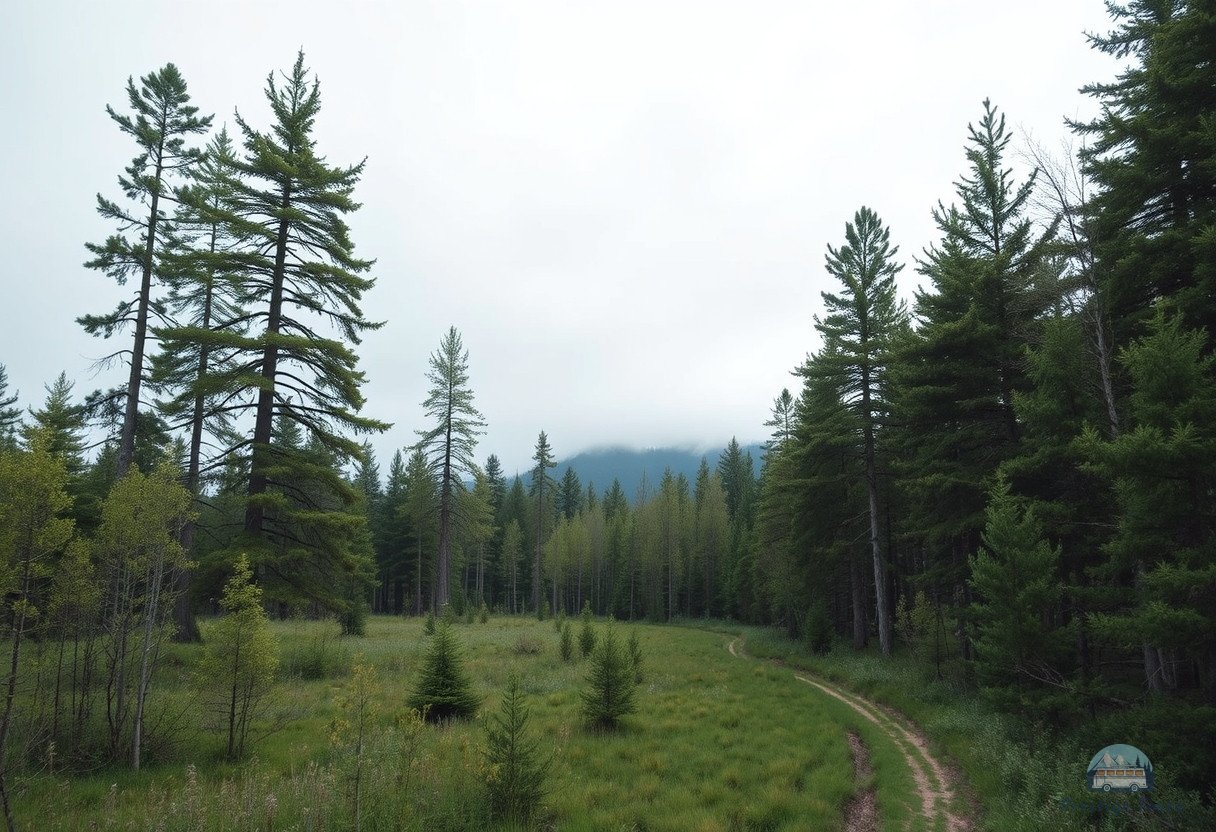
[151, 605]
[445, 512]
[10, 695]
[126, 441]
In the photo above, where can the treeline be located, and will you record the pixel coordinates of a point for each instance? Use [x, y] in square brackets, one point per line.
[1018, 474]
[541, 543]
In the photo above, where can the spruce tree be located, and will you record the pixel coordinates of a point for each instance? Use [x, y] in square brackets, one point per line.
[956, 377]
[569, 494]
[609, 695]
[1020, 647]
[1154, 206]
[444, 690]
[542, 483]
[160, 122]
[517, 770]
[10, 416]
[450, 443]
[1162, 470]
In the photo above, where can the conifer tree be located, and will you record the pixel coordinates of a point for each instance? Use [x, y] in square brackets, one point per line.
[161, 121]
[516, 781]
[1019, 642]
[860, 325]
[957, 376]
[1162, 469]
[444, 690]
[569, 494]
[450, 443]
[302, 285]
[1154, 206]
[419, 508]
[586, 633]
[541, 483]
[610, 684]
[10, 416]
[781, 420]
[194, 364]
[512, 555]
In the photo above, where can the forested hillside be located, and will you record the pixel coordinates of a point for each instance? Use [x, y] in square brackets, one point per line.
[1012, 477]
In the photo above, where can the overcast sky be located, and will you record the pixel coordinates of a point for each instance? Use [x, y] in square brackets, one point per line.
[622, 206]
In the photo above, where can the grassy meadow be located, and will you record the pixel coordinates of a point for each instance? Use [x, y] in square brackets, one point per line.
[717, 743]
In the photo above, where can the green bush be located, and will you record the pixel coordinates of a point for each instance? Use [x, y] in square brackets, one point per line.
[428, 627]
[318, 656]
[567, 643]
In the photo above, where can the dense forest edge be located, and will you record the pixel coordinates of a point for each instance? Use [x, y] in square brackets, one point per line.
[993, 508]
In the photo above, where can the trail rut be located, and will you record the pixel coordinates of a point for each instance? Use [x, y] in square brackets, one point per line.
[935, 784]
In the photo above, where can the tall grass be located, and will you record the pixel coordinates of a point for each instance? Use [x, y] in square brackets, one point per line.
[718, 743]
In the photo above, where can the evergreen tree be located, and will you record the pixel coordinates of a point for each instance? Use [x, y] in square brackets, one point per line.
[449, 444]
[161, 121]
[477, 529]
[781, 421]
[1020, 646]
[419, 508]
[569, 494]
[444, 690]
[610, 684]
[711, 539]
[1154, 207]
[391, 537]
[516, 781]
[860, 325]
[956, 377]
[541, 482]
[1162, 469]
[301, 280]
[194, 364]
[10, 416]
[59, 424]
[510, 562]
[586, 634]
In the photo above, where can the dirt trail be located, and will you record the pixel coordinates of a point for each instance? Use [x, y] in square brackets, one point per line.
[935, 785]
[861, 815]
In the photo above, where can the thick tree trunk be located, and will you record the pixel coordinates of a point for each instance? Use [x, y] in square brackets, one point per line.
[263, 428]
[858, 601]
